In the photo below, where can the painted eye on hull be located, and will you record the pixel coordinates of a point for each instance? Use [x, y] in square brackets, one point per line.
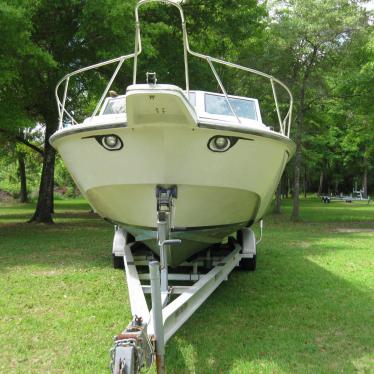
[110, 142]
[221, 143]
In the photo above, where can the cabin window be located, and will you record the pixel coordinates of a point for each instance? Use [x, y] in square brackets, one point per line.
[215, 104]
[116, 106]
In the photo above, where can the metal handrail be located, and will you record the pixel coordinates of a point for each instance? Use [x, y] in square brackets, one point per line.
[66, 79]
[222, 89]
[284, 123]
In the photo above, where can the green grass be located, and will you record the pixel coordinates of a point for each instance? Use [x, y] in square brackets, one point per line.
[309, 307]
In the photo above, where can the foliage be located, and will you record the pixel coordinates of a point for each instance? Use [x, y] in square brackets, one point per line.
[311, 37]
[9, 168]
[15, 45]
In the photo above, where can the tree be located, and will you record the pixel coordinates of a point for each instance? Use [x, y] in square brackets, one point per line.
[353, 96]
[38, 42]
[20, 163]
[309, 34]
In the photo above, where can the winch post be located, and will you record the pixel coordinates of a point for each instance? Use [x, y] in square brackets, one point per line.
[158, 324]
[163, 228]
[164, 196]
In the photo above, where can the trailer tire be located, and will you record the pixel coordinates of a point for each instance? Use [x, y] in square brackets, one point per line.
[248, 264]
[130, 238]
[231, 242]
[239, 237]
[117, 262]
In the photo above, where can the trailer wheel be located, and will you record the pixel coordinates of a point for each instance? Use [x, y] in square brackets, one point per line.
[231, 242]
[117, 262]
[130, 238]
[248, 264]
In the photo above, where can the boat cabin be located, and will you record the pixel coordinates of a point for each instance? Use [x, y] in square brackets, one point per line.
[208, 106]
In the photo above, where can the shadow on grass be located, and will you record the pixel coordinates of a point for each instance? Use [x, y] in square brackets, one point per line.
[23, 217]
[72, 205]
[290, 316]
[26, 216]
[84, 243]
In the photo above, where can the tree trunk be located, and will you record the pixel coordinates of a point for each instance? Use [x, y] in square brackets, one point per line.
[283, 186]
[44, 207]
[320, 186]
[365, 182]
[277, 205]
[305, 183]
[22, 175]
[295, 215]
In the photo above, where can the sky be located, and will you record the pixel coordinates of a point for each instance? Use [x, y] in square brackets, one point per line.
[369, 5]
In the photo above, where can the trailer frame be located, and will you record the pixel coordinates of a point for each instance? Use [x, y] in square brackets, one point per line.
[143, 341]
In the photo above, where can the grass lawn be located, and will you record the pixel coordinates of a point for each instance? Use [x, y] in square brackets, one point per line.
[309, 307]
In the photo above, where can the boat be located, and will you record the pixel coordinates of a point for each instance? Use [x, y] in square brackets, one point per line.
[209, 152]
[178, 170]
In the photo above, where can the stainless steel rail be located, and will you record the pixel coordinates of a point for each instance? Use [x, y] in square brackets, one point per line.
[284, 123]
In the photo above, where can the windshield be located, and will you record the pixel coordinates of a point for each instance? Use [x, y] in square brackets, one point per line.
[215, 104]
[116, 106]
[192, 98]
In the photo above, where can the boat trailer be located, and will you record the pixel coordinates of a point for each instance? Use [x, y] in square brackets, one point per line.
[143, 341]
[357, 195]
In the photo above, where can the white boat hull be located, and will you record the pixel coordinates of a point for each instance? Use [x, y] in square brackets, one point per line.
[231, 189]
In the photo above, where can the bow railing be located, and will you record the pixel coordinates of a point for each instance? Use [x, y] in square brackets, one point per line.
[284, 121]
